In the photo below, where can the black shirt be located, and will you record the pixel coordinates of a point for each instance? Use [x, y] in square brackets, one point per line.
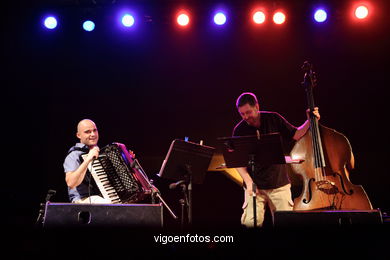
[269, 176]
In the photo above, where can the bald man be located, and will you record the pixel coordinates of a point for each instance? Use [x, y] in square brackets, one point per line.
[80, 187]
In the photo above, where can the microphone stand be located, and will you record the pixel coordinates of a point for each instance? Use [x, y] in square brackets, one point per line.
[155, 191]
[41, 214]
[252, 167]
[189, 204]
[182, 161]
[186, 201]
[183, 203]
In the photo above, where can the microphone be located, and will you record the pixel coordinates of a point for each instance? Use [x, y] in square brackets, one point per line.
[49, 194]
[174, 185]
[95, 157]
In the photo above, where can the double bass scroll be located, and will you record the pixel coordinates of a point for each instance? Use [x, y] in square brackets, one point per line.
[327, 159]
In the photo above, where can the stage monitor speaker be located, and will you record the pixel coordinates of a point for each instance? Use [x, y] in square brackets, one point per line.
[315, 218]
[103, 215]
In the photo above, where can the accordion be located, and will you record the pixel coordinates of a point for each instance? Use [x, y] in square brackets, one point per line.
[118, 175]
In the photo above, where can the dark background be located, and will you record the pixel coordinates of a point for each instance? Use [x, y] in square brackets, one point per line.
[150, 84]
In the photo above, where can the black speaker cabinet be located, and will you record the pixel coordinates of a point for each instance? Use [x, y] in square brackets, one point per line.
[103, 215]
[291, 219]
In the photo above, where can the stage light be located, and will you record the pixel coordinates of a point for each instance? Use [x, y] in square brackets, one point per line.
[220, 18]
[128, 20]
[320, 15]
[50, 22]
[183, 19]
[361, 12]
[279, 17]
[88, 26]
[258, 17]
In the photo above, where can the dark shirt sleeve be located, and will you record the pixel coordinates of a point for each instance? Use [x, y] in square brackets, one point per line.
[243, 129]
[287, 130]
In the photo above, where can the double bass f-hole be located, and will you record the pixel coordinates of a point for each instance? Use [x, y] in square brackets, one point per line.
[343, 185]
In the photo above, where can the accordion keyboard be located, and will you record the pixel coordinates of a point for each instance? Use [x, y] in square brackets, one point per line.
[100, 176]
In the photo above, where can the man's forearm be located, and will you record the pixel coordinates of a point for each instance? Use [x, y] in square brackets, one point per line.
[73, 179]
[301, 131]
[244, 175]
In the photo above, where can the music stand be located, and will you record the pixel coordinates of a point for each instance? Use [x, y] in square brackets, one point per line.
[187, 162]
[246, 151]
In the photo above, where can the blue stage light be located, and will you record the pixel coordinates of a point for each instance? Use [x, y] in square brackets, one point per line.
[220, 18]
[128, 20]
[320, 15]
[50, 22]
[88, 26]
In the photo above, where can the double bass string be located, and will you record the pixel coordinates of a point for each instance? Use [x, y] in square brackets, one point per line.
[317, 166]
[318, 173]
[314, 134]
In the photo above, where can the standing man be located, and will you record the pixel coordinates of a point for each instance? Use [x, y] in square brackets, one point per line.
[272, 182]
[77, 177]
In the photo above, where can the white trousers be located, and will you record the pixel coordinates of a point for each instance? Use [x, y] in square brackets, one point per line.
[277, 199]
[95, 199]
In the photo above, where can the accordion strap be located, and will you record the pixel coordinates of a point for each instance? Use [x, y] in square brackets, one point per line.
[81, 149]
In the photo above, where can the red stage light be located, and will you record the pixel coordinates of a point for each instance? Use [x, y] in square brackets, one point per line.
[361, 12]
[279, 17]
[183, 19]
[258, 17]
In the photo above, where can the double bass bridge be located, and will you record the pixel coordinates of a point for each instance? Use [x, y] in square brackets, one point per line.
[327, 187]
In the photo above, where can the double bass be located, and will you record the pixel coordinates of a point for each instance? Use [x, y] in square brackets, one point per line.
[327, 159]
